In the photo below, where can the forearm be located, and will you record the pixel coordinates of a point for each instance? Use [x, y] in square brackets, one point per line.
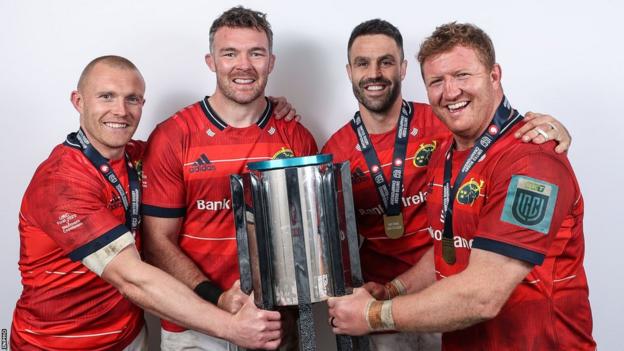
[421, 275]
[447, 305]
[159, 293]
[160, 246]
[169, 257]
[456, 302]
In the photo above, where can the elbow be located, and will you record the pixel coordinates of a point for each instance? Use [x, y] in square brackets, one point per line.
[489, 305]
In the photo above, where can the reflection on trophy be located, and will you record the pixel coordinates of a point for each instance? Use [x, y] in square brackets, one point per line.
[297, 237]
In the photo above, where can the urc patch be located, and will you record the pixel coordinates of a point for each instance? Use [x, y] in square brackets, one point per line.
[530, 203]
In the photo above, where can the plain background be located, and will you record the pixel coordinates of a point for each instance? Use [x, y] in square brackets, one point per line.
[560, 57]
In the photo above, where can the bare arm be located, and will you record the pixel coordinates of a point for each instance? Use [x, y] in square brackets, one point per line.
[161, 294]
[160, 246]
[472, 296]
[162, 250]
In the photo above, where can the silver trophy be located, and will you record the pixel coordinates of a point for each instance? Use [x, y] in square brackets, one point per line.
[297, 237]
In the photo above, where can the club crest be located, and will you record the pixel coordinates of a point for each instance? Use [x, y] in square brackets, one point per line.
[469, 192]
[423, 154]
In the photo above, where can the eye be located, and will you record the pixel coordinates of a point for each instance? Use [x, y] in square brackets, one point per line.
[463, 75]
[228, 54]
[435, 82]
[106, 96]
[387, 63]
[361, 64]
[257, 54]
[134, 100]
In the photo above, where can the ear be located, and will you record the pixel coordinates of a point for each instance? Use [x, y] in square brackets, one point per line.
[210, 61]
[271, 62]
[348, 67]
[403, 69]
[497, 74]
[76, 100]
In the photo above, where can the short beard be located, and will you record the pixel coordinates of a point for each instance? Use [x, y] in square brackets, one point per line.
[377, 106]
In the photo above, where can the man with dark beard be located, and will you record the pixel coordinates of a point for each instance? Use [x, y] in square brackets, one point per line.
[189, 231]
[389, 143]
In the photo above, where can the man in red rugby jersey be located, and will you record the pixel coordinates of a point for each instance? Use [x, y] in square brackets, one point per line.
[188, 221]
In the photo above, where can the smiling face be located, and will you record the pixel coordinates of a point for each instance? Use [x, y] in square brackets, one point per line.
[110, 102]
[376, 70]
[242, 60]
[462, 91]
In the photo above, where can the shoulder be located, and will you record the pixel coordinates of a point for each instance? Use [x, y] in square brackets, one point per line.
[181, 122]
[343, 138]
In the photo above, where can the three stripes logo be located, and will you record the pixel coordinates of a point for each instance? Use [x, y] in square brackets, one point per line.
[202, 164]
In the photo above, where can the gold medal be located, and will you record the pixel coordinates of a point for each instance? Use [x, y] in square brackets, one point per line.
[448, 250]
[393, 225]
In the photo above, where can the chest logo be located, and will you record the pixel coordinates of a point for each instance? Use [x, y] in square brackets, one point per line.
[423, 154]
[469, 192]
[202, 164]
[283, 153]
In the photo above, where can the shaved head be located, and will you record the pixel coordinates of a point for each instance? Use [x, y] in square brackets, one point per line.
[109, 60]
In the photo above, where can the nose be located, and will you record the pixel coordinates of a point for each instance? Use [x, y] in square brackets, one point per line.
[374, 70]
[451, 89]
[119, 108]
[243, 62]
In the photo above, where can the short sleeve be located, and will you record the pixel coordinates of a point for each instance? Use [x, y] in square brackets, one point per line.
[69, 205]
[529, 198]
[163, 177]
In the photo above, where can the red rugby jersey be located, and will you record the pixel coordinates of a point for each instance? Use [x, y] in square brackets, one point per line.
[189, 159]
[70, 210]
[383, 258]
[522, 201]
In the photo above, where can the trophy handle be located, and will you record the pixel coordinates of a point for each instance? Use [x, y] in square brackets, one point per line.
[242, 240]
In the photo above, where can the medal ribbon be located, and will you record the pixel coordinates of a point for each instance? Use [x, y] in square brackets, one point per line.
[504, 118]
[390, 195]
[79, 140]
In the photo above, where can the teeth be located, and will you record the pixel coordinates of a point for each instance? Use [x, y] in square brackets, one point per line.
[457, 105]
[115, 125]
[243, 81]
[374, 87]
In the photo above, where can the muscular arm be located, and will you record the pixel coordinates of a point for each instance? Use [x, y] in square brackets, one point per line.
[166, 297]
[162, 250]
[153, 290]
[472, 296]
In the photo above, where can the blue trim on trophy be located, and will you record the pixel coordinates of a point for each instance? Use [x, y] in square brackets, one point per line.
[290, 162]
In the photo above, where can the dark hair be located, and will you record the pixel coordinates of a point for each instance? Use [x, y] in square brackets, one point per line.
[376, 26]
[240, 17]
[110, 60]
[449, 35]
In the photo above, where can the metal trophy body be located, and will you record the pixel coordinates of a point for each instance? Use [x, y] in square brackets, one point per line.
[297, 237]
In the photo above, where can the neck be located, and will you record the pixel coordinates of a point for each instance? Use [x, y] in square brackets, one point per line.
[235, 114]
[381, 122]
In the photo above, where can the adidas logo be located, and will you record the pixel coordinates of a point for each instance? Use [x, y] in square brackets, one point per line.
[202, 164]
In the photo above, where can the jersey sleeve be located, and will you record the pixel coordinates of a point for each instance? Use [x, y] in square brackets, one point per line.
[530, 197]
[69, 207]
[163, 178]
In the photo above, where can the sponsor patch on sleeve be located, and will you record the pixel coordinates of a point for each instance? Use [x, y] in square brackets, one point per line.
[530, 203]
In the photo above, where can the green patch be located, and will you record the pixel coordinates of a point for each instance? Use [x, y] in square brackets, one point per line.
[530, 203]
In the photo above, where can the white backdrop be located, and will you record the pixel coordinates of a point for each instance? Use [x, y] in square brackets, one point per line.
[557, 57]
